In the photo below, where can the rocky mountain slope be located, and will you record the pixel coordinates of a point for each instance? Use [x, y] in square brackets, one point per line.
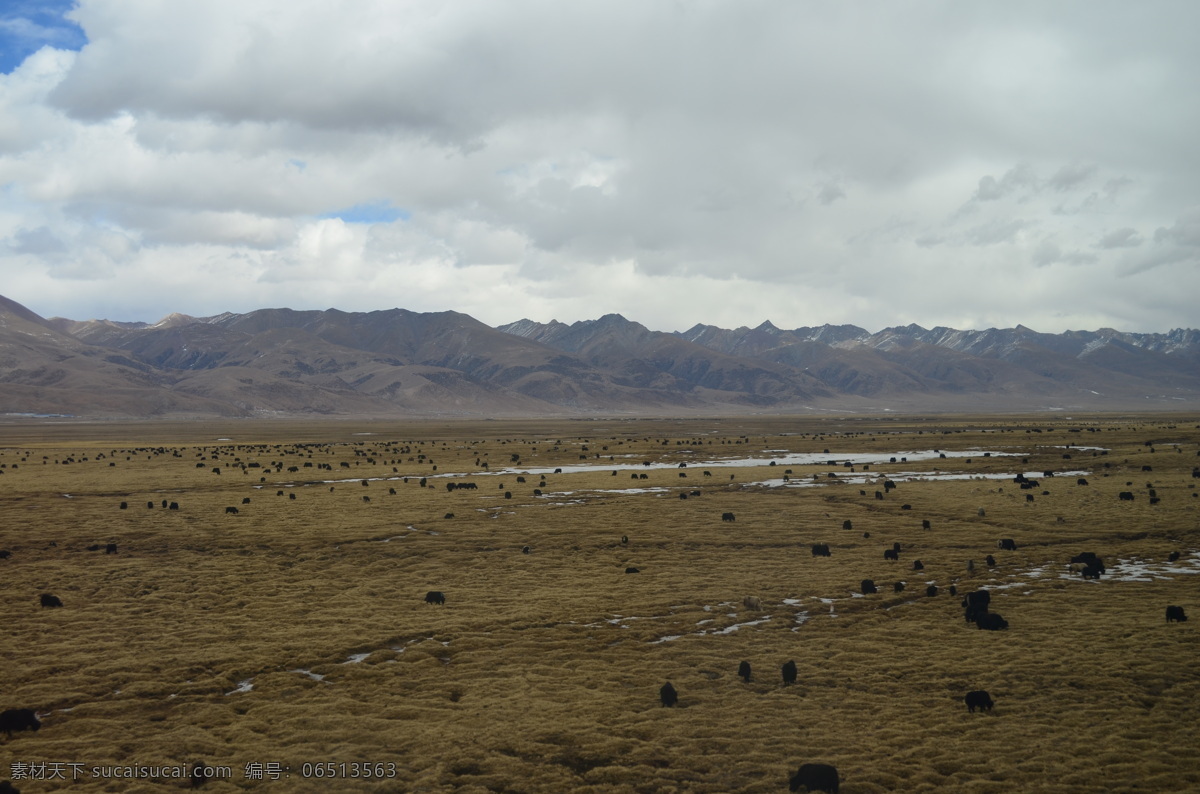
[400, 363]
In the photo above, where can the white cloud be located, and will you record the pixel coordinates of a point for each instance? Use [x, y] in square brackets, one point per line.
[675, 163]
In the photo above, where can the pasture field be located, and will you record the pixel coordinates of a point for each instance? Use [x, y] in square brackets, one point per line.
[290, 642]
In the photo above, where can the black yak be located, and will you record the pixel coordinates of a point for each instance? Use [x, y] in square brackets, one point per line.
[1176, 614]
[668, 695]
[991, 621]
[789, 673]
[51, 600]
[815, 777]
[435, 597]
[978, 699]
[744, 671]
[18, 720]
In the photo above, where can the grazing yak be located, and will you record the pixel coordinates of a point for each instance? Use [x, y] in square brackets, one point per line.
[744, 671]
[820, 550]
[1176, 614]
[49, 600]
[728, 517]
[668, 695]
[918, 565]
[898, 587]
[868, 587]
[753, 603]
[978, 699]
[891, 554]
[435, 597]
[1092, 570]
[976, 604]
[18, 720]
[815, 777]
[789, 673]
[847, 524]
[1007, 544]
[631, 569]
[931, 590]
[925, 524]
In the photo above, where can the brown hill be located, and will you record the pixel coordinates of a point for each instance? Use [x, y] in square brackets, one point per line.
[402, 363]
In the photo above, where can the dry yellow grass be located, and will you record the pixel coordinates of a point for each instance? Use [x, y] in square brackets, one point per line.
[541, 672]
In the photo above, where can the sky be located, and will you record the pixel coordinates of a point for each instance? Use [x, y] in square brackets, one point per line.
[939, 162]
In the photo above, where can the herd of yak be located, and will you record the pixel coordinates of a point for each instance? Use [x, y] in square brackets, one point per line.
[810, 776]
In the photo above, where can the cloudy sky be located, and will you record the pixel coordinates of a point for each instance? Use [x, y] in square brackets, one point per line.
[970, 164]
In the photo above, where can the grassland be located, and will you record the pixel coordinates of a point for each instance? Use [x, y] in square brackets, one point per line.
[295, 632]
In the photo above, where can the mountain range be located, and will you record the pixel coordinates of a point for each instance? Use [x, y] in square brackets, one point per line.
[396, 363]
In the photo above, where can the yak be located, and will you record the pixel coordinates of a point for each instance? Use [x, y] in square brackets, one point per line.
[49, 600]
[978, 699]
[18, 720]
[789, 673]
[1176, 614]
[435, 597]
[744, 671]
[815, 777]
[820, 550]
[668, 695]
[991, 621]
[976, 604]
[868, 587]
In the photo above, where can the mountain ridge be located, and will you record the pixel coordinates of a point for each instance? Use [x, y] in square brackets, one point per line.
[395, 362]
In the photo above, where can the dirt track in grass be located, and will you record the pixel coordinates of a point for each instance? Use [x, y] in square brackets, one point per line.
[295, 633]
